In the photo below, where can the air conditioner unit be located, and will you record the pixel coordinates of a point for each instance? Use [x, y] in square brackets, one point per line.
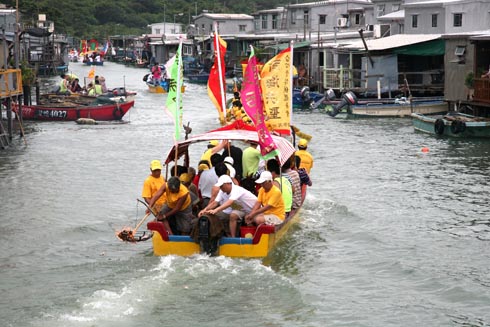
[341, 22]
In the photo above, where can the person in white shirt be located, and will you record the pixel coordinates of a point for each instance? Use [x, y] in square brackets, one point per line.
[231, 204]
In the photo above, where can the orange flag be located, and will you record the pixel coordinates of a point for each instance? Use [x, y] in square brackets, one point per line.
[91, 73]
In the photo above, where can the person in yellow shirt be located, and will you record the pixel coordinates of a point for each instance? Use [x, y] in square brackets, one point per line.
[306, 157]
[213, 147]
[152, 184]
[177, 211]
[269, 208]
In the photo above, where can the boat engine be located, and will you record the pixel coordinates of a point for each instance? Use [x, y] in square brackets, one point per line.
[348, 98]
[208, 244]
[327, 97]
[305, 96]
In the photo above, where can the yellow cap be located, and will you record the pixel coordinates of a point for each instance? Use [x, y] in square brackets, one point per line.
[155, 164]
[203, 167]
[302, 143]
[185, 178]
[213, 142]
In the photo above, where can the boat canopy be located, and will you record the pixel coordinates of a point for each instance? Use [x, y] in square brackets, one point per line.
[286, 149]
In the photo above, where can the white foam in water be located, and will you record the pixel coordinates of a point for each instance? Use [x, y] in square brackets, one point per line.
[169, 277]
[106, 305]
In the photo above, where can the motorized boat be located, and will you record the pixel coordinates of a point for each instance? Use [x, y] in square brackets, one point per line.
[254, 241]
[452, 124]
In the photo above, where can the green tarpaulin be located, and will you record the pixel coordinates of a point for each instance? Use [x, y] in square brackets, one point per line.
[430, 48]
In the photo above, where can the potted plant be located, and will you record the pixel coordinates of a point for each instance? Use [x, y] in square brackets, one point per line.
[469, 82]
[28, 81]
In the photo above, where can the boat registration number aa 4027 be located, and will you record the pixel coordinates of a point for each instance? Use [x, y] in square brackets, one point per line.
[52, 113]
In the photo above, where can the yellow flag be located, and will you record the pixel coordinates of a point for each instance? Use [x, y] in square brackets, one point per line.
[276, 91]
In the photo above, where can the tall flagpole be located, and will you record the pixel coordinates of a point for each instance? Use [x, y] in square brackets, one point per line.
[178, 116]
[178, 106]
[291, 44]
[221, 86]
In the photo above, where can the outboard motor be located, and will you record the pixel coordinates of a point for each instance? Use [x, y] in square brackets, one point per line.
[305, 96]
[327, 97]
[348, 98]
[207, 243]
[330, 94]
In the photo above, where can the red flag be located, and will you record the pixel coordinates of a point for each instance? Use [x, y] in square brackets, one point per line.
[216, 81]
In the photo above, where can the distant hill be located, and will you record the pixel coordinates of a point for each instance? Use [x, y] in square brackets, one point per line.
[98, 19]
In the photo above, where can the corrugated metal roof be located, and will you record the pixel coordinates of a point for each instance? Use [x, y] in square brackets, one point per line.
[400, 14]
[228, 16]
[333, 3]
[394, 41]
[431, 2]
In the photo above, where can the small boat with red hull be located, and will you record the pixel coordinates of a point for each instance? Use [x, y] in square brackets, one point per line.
[61, 112]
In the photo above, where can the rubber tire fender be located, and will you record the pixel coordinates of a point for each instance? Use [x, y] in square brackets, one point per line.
[439, 126]
[458, 126]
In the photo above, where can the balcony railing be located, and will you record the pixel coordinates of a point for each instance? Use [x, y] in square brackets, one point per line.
[482, 90]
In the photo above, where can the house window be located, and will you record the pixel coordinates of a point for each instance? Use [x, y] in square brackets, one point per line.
[380, 10]
[306, 18]
[322, 20]
[274, 22]
[460, 50]
[187, 50]
[434, 20]
[157, 31]
[257, 23]
[242, 28]
[395, 7]
[458, 20]
[293, 17]
[415, 21]
[357, 19]
[263, 19]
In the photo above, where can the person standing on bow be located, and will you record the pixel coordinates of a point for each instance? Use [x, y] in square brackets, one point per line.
[156, 73]
[306, 157]
[152, 184]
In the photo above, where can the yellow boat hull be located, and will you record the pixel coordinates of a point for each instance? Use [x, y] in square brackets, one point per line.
[260, 246]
